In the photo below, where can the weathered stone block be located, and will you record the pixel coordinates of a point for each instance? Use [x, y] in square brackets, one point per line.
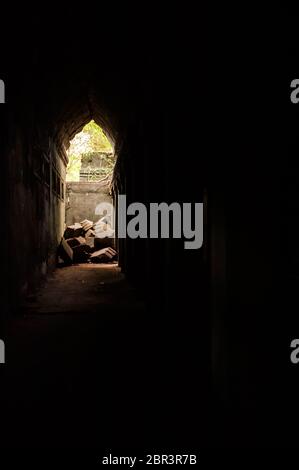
[77, 241]
[73, 231]
[86, 224]
[100, 243]
[65, 252]
[90, 233]
[90, 241]
[81, 253]
[103, 256]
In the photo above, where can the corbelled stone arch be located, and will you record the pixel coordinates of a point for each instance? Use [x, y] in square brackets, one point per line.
[79, 109]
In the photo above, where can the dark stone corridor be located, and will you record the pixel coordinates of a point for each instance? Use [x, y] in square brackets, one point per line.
[77, 390]
[173, 348]
[81, 350]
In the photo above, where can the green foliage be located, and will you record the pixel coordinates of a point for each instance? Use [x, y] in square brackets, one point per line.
[90, 140]
[103, 170]
[98, 141]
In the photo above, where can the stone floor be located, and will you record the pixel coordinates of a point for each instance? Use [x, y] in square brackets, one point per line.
[87, 366]
[77, 359]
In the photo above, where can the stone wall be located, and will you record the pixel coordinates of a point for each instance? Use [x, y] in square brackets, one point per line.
[82, 199]
[36, 198]
[93, 166]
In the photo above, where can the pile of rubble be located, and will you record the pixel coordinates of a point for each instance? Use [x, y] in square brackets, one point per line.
[88, 242]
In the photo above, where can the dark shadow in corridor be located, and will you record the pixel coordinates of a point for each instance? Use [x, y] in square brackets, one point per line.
[78, 355]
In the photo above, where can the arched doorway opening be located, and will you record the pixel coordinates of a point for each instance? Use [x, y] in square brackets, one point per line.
[89, 234]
